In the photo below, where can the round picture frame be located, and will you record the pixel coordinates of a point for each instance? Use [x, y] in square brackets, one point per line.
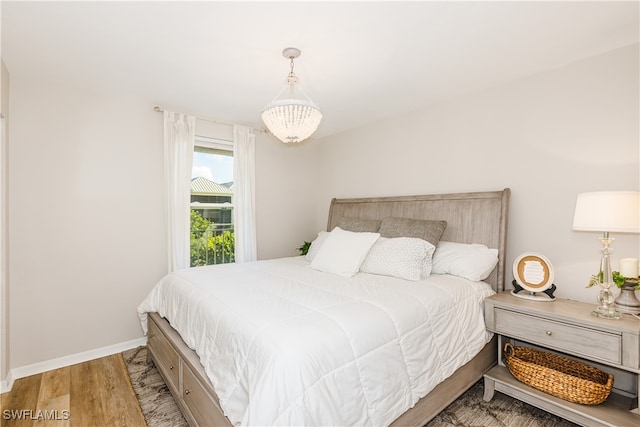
[533, 272]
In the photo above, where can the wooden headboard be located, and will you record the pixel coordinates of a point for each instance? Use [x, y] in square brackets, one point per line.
[479, 217]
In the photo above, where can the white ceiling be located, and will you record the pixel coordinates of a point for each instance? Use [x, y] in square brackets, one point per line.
[361, 61]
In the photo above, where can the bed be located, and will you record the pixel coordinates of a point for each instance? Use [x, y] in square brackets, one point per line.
[346, 373]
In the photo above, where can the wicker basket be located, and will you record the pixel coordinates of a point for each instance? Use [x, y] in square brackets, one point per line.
[559, 376]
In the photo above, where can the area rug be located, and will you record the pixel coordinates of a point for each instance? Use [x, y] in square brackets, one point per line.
[157, 404]
[160, 410]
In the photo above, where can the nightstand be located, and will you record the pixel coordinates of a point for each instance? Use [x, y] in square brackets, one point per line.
[567, 327]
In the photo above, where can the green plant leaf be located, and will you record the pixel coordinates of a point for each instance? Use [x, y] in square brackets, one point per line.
[304, 248]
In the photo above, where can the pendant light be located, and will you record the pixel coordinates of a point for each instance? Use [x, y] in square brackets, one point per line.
[291, 116]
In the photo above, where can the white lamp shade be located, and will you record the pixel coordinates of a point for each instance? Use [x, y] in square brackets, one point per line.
[615, 211]
[292, 120]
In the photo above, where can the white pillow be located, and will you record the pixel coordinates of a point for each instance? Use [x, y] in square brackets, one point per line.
[471, 261]
[316, 245]
[402, 257]
[343, 252]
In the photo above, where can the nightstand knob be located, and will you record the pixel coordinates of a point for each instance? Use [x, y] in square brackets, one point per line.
[549, 333]
[187, 391]
[171, 367]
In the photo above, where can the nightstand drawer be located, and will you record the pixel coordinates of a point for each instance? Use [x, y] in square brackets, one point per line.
[560, 336]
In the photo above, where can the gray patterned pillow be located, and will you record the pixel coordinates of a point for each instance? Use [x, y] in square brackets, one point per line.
[359, 225]
[428, 230]
[402, 257]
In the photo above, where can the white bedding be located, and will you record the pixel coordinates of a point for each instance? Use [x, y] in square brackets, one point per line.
[284, 344]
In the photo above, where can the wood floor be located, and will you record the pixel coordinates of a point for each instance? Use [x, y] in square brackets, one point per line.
[97, 393]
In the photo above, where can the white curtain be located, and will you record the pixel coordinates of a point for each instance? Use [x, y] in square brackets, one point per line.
[244, 211]
[179, 137]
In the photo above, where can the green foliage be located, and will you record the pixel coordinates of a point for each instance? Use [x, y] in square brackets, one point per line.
[304, 248]
[596, 279]
[222, 246]
[617, 278]
[209, 246]
[620, 280]
[198, 222]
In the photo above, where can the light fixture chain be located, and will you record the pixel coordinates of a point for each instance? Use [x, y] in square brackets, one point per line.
[291, 73]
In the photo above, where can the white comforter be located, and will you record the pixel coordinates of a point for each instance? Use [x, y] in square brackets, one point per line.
[284, 344]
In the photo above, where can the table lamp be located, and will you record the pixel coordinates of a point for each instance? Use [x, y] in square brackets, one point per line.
[605, 212]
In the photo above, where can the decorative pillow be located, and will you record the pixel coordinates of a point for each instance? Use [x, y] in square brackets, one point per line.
[427, 263]
[470, 261]
[343, 252]
[401, 257]
[428, 230]
[358, 224]
[316, 245]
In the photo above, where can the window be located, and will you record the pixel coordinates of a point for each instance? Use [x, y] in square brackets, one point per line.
[212, 232]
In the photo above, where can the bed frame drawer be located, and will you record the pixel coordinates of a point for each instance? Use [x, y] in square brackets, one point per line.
[199, 401]
[187, 380]
[163, 352]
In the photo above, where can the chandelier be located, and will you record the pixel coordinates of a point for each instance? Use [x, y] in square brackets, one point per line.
[291, 116]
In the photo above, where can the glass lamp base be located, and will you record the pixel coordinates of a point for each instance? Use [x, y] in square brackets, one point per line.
[606, 313]
[606, 309]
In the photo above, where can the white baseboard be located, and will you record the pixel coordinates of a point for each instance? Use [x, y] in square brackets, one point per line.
[7, 383]
[72, 359]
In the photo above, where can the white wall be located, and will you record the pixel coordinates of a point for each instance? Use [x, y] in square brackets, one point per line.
[86, 236]
[548, 138]
[286, 189]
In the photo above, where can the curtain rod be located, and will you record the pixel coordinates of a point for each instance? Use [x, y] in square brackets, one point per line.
[160, 110]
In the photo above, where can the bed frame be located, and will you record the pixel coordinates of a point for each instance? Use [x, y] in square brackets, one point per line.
[479, 217]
